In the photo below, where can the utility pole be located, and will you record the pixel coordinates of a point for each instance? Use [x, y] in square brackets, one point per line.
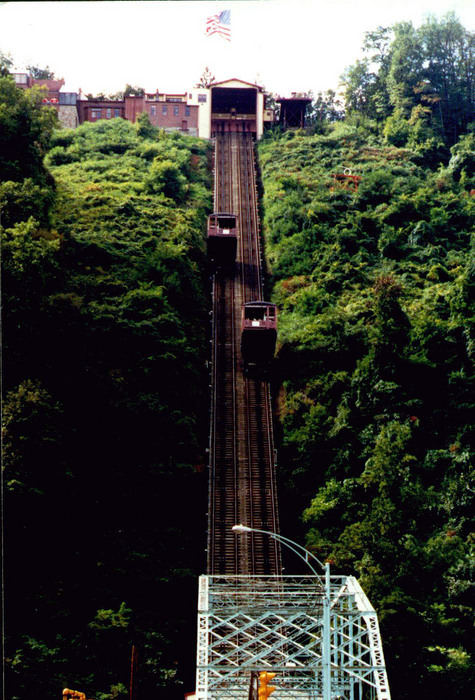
[133, 674]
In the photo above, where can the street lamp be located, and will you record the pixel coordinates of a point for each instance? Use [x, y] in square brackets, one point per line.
[308, 557]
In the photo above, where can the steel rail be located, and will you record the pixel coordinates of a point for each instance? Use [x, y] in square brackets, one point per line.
[223, 457]
[260, 462]
[242, 468]
[258, 413]
[252, 434]
[270, 477]
[247, 493]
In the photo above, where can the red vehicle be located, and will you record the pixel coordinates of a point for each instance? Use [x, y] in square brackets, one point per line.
[258, 334]
[222, 238]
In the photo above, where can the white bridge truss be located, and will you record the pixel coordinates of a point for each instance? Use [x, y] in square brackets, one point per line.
[249, 624]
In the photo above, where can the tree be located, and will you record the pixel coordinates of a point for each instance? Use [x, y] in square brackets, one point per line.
[270, 100]
[116, 96]
[134, 90]
[207, 77]
[377, 43]
[389, 334]
[366, 81]
[433, 67]
[165, 176]
[98, 97]
[144, 127]
[396, 129]
[6, 64]
[326, 107]
[406, 68]
[25, 131]
[38, 73]
[360, 85]
[449, 74]
[462, 162]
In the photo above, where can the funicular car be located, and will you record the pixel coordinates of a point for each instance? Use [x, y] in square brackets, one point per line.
[258, 334]
[222, 238]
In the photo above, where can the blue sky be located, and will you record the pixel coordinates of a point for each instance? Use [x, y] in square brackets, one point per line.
[285, 45]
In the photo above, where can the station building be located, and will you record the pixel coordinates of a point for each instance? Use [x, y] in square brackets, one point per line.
[292, 110]
[231, 105]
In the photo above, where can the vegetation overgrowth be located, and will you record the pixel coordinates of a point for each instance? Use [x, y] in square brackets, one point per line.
[104, 328]
[104, 367]
[375, 369]
[416, 82]
[375, 288]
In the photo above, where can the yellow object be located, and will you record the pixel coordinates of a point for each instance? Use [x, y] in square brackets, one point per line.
[73, 695]
[264, 689]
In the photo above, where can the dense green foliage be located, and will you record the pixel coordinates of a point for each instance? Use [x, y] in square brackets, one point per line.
[375, 381]
[25, 132]
[375, 364]
[38, 73]
[104, 366]
[104, 362]
[418, 82]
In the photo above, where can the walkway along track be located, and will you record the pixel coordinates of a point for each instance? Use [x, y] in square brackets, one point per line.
[242, 484]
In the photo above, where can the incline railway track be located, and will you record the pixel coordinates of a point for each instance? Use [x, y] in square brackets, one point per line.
[242, 464]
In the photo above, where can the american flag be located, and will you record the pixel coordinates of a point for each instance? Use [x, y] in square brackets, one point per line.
[220, 24]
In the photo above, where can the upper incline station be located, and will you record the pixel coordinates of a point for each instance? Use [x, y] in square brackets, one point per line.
[231, 106]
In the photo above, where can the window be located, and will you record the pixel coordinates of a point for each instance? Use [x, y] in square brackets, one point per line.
[174, 99]
[116, 112]
[201, 98]
[187, 111]
[153, 110]
[67, 98]
[176, 111]
[164, 109]
[21, 78]
[96, 113]
[109, 113]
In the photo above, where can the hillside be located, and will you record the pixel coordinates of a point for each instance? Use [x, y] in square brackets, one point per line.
[104, 326]
[375, 380]
[105, 400]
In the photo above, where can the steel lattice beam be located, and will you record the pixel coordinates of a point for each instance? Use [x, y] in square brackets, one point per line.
[253, 623]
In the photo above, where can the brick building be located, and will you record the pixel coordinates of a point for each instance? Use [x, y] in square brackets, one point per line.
[52, 87]
[64, 102]
[93, 110]
[166, 111]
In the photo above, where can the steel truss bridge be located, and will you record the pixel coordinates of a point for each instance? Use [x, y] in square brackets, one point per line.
[248, 624]
[251, 618]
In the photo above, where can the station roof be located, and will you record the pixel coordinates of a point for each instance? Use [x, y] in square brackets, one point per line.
[294, 98]
[224, 83]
